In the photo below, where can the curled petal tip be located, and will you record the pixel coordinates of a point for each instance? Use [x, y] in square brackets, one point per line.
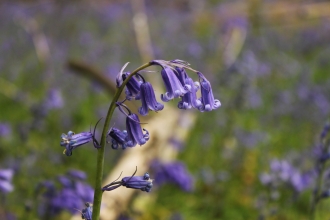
[119, 78]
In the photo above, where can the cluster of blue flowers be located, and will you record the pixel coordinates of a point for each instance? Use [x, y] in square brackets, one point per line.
[178, 85]
[69, 192]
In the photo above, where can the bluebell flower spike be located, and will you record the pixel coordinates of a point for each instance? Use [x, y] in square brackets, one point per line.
[207, 99]
[72, 141]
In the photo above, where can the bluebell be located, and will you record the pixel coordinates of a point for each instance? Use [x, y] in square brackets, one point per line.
[118, 138]
[143, 183]
[174, 88]
[134, 131]
[207, 99]
[132, 89]
[148, 99]
[72, 141]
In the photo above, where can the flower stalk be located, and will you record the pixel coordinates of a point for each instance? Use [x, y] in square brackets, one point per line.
[100, 154]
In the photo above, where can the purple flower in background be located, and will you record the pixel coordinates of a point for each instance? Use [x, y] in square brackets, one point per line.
[5, 129]
[148, 99]
[54, 99]
[77, 174]
[71, 194]
[209, 103]
[118, 138]
[6, 176]
[282, 168]
[64, 180]
[84, 191]
[175, 172]
[325, 131]
[72, 141]
[66, 199]
[134, 131]
[123, 216]
[282, 172]
[144, 183]
[301, 181]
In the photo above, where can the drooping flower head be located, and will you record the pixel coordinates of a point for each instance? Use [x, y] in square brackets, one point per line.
[134, 131]
[174, 88]
[148, 99]
[132, 89]
[72, 141]
[207, 99]
[133, 128]
[190, 98]
[118, 138]
[143, 183]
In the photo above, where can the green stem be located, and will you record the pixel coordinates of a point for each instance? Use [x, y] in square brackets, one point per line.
[100, 153]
